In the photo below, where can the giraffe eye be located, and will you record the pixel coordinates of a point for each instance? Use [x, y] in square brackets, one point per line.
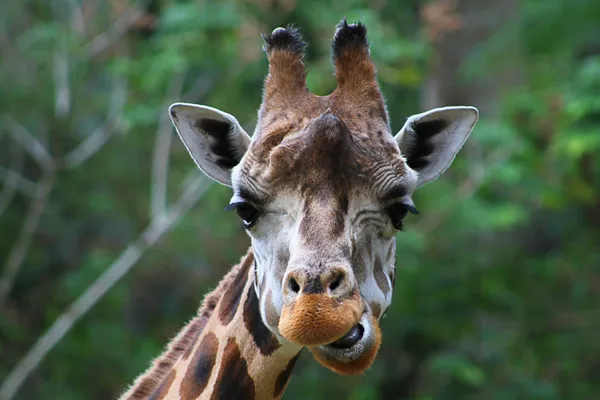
[398, 211]
[246, 211]
[248, 214]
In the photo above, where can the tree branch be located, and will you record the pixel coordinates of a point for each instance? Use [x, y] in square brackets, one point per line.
[104, 40]
[18, 252]
[162, 149]
[8, 189]
[199, 87]
[16, 181]
[159, 226]
[62, 95]
[33, 146]
[77, 19]
[101, 134]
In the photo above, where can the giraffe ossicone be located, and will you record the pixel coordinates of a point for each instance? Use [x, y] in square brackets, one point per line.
[322, 187]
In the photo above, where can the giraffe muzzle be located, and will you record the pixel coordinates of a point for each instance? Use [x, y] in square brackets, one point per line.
[318, 319]
[319, 309]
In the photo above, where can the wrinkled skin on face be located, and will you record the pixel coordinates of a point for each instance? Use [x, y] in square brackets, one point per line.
[322, 187]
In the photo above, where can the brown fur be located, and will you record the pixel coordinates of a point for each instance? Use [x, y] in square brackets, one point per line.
[284, 377]
[197, 376]
[161, 392]
[263, 338]
[356, 77]
[231, 298]
[235, 368]
[339, 155]
[316, 319]
[286, 78]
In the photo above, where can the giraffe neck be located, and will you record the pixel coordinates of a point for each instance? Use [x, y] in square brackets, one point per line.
[225, 352]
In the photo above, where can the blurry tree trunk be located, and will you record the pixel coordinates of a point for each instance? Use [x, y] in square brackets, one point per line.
[455, 30]
[474, 22]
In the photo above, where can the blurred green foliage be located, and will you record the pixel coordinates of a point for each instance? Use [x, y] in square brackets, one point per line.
[498, 281]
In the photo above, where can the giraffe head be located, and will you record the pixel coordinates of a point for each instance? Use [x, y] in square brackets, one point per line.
[322, 187]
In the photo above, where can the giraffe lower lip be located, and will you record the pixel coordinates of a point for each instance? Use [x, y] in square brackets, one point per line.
[350, 339]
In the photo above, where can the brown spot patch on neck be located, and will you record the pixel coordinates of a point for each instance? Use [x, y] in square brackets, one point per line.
[234, 381]
[264, 339]
[284, 377]
[198, 374]
[231, 298]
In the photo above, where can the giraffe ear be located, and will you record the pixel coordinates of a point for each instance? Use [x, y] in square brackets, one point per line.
[430, 140]
[214, 139]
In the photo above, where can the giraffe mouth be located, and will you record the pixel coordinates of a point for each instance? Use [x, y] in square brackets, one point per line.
[354, 352]
[353, 336]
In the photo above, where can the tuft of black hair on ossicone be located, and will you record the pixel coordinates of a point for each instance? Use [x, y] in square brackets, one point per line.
[288, 38]
[349, 37]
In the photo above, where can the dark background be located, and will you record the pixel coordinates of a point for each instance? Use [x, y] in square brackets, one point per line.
[498, 286]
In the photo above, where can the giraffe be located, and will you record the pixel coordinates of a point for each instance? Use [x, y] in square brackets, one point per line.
[322, 188]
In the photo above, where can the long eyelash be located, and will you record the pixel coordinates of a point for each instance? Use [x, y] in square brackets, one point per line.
[233, 206]
[412, 209]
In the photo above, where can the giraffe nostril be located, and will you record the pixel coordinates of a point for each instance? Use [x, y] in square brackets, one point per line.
[336, 283]
[293, 285]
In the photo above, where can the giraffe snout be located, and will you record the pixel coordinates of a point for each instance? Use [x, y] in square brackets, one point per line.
[320, 308]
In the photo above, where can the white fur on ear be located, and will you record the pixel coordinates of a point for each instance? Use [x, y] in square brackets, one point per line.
[214, 139]
[430, 140]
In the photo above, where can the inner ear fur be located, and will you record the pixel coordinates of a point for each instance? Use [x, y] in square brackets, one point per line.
[214, 139]
[431, 140]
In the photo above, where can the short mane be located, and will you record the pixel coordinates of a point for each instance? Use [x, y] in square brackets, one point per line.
[147, 383]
